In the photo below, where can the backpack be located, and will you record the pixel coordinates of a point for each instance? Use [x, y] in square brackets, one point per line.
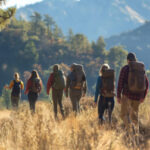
[36, 85]
[78, 74]
[59, 80]
[16, 91]
[108, 83]
[136, 77]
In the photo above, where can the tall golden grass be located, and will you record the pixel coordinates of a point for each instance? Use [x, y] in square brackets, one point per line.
[22, 130]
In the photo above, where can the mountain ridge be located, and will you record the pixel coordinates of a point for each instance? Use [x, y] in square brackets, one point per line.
[136, 41]
[92, 18]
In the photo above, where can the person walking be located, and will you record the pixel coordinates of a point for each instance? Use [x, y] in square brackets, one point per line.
[105, 87]
[131, 92]
[76, 85]
[33, 88]
[57, 82]
[16, 86]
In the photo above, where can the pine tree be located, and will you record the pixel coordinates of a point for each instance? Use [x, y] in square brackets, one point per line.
[5, 15]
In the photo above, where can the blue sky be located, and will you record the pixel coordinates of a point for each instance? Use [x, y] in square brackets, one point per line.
[19, 3]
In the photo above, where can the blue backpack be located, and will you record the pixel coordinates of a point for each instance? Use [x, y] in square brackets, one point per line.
[16, 91]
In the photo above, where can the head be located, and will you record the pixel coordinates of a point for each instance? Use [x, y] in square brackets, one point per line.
[72, 66]
[16, 76]
[56, 67]
[103, 68]
[131, 57]
[34, 74]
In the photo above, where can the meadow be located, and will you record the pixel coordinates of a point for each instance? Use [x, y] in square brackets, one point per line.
[22, 130]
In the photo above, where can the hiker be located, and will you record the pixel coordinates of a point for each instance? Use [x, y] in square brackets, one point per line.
[132, 90]
[16, 85]
[33, 88]
[105, 88]
[57, 82]
[76, 84]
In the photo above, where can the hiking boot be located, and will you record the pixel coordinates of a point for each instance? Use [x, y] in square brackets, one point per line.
[56, 118]
[101, 120]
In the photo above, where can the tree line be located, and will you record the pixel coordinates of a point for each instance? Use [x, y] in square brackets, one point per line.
[39, 43]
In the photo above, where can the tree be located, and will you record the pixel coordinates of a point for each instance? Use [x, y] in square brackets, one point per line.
[37, 25]
[117, 58]
[30, 54]
[49, 22]
[5, 15]
[57, 33]
[99, 49]
[80, 44]
[70, 35]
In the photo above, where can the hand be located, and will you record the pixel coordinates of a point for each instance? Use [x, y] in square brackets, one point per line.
[95, 104]
[83, 95]
[119, 100]
[142, 100]
[6, 87]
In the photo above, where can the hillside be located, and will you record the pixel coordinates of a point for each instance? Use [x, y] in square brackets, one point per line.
[39, 44]
[137, 41]
[40, 131]
[92, 18]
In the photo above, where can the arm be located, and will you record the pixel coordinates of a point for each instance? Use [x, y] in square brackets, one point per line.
[67, 86]
[98, 87]
[147, 87]
[29, 83]
[22, 85]
[10, 85]
[41, 85]
[84, 85]
[120, 84]
[49, 83]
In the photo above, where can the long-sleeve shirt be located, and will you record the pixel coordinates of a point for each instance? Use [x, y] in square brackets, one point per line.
[122, 86]
[98, 88]
[50, 82]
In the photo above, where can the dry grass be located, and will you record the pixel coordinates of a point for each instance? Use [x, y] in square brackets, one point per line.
[24, 131]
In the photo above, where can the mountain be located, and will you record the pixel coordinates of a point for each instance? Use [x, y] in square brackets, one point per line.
[92, 17]
[137, 41]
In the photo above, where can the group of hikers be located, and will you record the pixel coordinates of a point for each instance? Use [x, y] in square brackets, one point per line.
[131, 90]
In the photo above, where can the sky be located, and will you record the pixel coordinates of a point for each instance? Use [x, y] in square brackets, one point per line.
[19, 3]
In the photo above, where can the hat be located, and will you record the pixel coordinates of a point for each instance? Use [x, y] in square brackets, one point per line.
[131, 57]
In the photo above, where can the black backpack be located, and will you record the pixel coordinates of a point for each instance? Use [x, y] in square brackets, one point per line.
[16, 91]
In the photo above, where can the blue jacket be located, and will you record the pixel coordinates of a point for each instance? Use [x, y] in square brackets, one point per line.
[98, 88]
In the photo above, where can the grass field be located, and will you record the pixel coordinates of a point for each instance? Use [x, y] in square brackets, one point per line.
[20, 130]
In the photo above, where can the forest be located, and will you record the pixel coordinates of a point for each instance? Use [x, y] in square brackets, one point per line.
[40, 43]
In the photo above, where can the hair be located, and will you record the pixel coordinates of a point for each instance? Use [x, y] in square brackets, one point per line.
[34, 74]
[56, 67]
[131, 57]
[103, 67]
[16, 75]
